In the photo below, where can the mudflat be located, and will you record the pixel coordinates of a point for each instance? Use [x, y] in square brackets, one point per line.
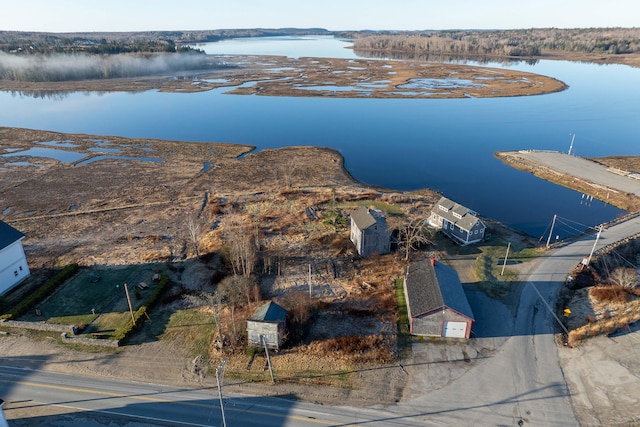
[322, 77]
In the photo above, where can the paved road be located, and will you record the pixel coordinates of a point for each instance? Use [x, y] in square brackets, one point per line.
[523, 380]
[128, 403]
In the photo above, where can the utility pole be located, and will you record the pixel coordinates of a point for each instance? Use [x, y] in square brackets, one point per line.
[594, 244]
[573, 137]
[553, 223]
[219, 378]
[310, 286]
[505, 258]
[266, 350]
[126, 291]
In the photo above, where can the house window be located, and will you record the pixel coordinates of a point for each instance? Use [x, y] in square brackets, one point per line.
[451, 226]
[15, 273]
[442, 208]
[20, 268]
[475, 232]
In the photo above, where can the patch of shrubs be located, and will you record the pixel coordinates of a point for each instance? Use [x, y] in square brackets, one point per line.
[122, 333]
[41, 293]
[361, 349]
[613, 293]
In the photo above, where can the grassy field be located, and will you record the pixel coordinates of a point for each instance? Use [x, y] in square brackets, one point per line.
[96, 298]
[404, 336]
[493, 276]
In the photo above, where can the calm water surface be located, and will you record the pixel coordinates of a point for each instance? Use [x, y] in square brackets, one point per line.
[404, 144]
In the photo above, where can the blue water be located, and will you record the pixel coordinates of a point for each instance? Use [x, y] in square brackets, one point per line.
[404, 144]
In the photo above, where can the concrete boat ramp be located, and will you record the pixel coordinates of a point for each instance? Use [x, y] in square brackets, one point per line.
[604, 179]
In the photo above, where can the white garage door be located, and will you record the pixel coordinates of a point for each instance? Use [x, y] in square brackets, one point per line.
[455, 329]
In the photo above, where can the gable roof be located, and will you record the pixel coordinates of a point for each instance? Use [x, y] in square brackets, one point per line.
[364, 218]
[457, 214]
[269, 312]
[8, 235]
[431, 287]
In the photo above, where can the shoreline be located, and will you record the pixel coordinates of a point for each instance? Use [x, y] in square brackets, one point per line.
[559, 168]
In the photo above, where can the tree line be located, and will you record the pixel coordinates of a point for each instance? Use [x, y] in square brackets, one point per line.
[518, 43]
[28, 43]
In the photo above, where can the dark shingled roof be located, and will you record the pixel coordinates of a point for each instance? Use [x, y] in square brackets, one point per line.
[363, 218]
[467, 218]
[431, 287]
[8, 235]
[269, 312]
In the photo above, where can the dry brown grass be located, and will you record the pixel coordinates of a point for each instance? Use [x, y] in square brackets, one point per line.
[613, 315]
[625, 163]
[357, 295]
[611, 293]
[361, 349]
[576, 336]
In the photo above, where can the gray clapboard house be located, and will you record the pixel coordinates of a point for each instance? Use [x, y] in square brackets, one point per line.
[458, 222]
[436, 302]
[370, 232]
[13, 261]
[269, 322]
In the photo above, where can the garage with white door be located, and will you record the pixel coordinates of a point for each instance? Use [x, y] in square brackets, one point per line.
[455, 329]
[436, 302]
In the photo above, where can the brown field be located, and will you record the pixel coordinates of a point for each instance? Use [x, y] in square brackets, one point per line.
[113, 212]
[626, 163]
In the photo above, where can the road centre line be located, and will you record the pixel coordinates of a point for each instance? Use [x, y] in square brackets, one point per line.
[159, 400]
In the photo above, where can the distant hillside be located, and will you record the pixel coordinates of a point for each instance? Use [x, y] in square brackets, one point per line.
[25, 43]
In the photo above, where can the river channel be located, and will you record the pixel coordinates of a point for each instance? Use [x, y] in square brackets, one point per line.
[403, 144]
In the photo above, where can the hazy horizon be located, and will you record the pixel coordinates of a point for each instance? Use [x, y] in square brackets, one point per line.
[70, 16]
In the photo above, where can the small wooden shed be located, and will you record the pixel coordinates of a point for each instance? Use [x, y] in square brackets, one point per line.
[269, 322]
[436, 302]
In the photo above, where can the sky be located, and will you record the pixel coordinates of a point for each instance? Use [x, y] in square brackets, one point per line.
[148, 15]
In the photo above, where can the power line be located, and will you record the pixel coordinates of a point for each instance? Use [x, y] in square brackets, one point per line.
[553, 313]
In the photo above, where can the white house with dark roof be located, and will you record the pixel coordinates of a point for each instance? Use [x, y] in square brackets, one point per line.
[13, 261]
[436, 302]
[370, 232]
[458, 222]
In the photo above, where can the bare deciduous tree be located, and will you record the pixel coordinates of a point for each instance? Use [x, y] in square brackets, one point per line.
[273, 259]
[625, 277]
[214, 303]
[236, 292]
[243, 240]
[286, 173]
[195, 234]
[413, 233]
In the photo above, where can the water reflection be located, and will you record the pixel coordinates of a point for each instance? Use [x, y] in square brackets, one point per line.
[51, 153]
[54, 95]
[446, 59]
